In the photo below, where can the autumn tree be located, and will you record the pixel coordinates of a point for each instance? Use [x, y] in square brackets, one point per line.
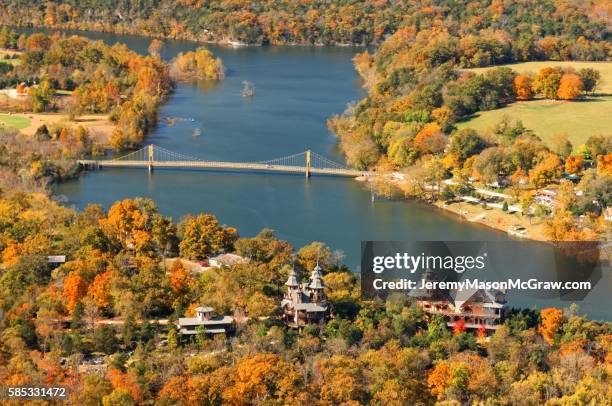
[563, 227]
[438, 379]
[547, 82]
[552, 319]
[38, 42]
[547, 170]
[99, 290]
[430, 139]
[180, 280]
[127, 382]
[523, 86]
[604, 164]
[574, 164]
[570, 87]
[42, 95]
[263, 376]
[459, 327]
[203, 236]
[465, 143]
[198, 64]
[75, 288]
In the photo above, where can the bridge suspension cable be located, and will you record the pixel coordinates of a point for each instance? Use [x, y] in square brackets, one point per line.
[153, 156]
[161, 154]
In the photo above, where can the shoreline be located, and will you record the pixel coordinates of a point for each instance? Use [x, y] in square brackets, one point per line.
[223, 42]
[489, 217]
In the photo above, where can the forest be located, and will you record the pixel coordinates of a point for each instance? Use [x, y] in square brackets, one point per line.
[115, 300]
[318, 22]
[101, 322]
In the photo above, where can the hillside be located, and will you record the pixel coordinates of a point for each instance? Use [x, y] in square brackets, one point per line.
[577, 119]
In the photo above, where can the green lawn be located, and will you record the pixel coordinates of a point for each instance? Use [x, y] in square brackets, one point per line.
[13, 121]
[604, 68]
[578, 119]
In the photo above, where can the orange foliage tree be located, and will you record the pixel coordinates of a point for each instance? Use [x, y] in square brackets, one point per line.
[574, 164]
[125, 381]
[179, 282]
[11, 253]
[430, 139]
[123, 219]
[552, 319]
[99, 290]
[262, 376]
[523, 86]
[438, 378]
[74, 289]
[570, 87]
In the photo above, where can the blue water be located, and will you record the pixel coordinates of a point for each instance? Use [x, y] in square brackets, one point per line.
[297, 90]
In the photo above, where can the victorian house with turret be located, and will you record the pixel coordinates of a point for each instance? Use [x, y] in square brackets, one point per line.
[305, 303]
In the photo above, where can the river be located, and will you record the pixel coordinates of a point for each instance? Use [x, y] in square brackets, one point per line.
[297, 89]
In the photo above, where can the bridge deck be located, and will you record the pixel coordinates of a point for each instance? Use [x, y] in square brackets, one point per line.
[224, 165]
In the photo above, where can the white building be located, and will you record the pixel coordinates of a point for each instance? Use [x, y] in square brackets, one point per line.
[205, 318]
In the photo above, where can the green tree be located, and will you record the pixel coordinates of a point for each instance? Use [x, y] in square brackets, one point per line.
[590, 79]
[42, 96]
[465, 143]
[77, 316]
[105, 340]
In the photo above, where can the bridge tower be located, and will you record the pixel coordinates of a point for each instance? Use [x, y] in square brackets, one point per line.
[308, 164]
[151, 157]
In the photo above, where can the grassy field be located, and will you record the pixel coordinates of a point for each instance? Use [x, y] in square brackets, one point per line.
[14, 121]
[12, 61]
[578, 119]
[604, 68]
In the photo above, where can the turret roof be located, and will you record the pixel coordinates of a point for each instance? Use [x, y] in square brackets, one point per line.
[292, 279]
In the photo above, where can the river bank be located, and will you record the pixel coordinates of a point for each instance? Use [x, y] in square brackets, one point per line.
[512, 222]
[185, 36]
[496, 219]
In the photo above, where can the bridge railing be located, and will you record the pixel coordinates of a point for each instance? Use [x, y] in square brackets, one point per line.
[154, 156]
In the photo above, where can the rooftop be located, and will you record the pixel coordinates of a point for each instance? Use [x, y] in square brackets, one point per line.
[195, 321]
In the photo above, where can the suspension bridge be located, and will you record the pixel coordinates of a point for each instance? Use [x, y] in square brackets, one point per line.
[153, 156]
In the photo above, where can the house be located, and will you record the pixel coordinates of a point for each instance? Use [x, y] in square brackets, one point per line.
[227, 260]
[304, 303]
[477, 307]
[207, 320]
[56, 259]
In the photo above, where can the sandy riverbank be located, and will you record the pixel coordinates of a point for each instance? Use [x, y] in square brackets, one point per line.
[496, 218]
[490, 217]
